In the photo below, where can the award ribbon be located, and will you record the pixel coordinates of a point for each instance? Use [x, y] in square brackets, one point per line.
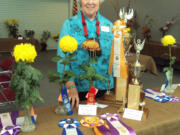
[70, 127]
[12, 129]
[117, 57]
[160, 96]
[66, 101]
[91, 95]
[116, 126]
[96, 123]
[32, 115]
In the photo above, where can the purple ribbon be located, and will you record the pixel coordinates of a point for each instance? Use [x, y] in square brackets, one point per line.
[110, 117]
[15, 129]
[131, 131]
[113, 119]
[10, 130]
[104, 130]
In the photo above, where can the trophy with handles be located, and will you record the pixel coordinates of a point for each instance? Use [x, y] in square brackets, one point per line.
[137, 67]
[135, 70]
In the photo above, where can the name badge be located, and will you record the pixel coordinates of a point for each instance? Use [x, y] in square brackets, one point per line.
[105, 28]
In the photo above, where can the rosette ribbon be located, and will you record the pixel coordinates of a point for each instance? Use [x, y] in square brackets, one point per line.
[159, 96]
[97, 124]
[10, 130]
[66, 100]
[116, 126]
[70, 127]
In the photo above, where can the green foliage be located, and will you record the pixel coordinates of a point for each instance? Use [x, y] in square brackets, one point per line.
[172, 59]
[91, 74]
[62, 78]
[24, 82]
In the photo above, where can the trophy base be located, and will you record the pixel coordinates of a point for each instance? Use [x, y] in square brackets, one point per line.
[134, 96]
[121, 88]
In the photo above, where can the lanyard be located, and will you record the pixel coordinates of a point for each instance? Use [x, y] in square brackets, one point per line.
[85, 26]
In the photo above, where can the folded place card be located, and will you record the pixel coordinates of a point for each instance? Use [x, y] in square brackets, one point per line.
[87, 109]
[132, 114]
[6, 119]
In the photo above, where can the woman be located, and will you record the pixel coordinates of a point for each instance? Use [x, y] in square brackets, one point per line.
[87, 24]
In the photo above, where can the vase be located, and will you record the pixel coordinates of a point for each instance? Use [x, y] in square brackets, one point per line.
[27, 125]
[60, 109]
[169, 76]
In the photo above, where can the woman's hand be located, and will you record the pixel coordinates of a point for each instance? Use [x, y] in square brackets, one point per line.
[73, 93]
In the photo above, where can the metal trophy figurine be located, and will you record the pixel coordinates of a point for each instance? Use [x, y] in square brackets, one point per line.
[117, 58]
[137, 67]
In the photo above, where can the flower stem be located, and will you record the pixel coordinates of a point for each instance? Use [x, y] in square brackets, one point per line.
[170, 55]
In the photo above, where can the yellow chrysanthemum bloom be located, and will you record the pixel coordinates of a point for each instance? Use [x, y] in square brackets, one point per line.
[68, 44]
[24, 52]
[10, 23]
[15, 20]
[168, 40]
[128, 29]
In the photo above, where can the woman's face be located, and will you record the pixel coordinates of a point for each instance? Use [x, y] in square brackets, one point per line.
[90, 7]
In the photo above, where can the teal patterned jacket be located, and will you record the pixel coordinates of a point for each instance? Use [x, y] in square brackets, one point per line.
[73, 27]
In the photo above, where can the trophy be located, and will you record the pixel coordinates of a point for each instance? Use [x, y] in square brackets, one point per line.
[137, 67]
[117, 58]
[135, 86]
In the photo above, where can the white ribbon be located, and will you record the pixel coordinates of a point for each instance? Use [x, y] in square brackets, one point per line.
[116, 64]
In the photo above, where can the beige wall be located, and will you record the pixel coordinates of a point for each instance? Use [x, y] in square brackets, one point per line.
[38, 15]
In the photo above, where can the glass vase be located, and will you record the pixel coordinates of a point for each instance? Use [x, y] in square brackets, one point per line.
[169, 75]
[60, 109]
[27, 125]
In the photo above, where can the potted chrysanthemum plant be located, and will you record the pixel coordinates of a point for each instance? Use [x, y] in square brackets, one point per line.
[25, 81]
[68, 46]
[94, 50]
[12, 26]
[169, 41]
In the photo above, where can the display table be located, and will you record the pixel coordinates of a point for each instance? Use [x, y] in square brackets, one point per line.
[7, 44]
[156, 50]
[147, 62]
[163, 119]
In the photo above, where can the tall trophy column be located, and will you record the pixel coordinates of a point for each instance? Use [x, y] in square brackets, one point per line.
[135, 86]
[117, 60]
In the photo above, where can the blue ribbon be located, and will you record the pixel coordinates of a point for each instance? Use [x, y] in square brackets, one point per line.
[66, 101]
[33, 120]
[166, 84]
[68, 124]
[157, 97]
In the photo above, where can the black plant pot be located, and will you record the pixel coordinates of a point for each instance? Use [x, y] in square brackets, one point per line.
[43, 46]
